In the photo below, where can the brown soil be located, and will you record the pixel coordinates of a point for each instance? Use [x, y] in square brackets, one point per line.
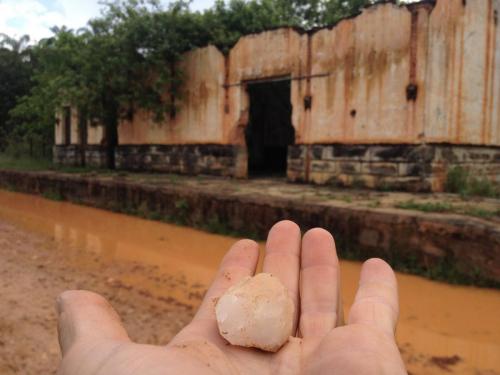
[32, 274]
[155, 274]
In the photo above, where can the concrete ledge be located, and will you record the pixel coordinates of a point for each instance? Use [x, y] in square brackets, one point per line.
[467, 244]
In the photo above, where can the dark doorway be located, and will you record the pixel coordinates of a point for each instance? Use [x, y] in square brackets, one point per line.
[269, 131]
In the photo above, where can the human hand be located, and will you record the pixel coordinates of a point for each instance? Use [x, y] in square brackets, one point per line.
[93, 341]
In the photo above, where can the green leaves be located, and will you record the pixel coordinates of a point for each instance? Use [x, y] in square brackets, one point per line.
[15, 78]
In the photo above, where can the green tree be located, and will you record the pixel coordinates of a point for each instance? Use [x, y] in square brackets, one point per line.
[317, 13]
[335, 10]
[15, 78]
[227, 21]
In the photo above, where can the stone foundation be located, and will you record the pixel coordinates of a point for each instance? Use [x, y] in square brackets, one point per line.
[67, 155]
[219, 160]
[417, 168]
[96, 156]
[72, 156]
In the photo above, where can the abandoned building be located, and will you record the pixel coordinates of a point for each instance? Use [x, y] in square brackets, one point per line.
[394, 97]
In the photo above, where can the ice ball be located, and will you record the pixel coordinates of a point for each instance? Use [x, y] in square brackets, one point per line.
[257, 312]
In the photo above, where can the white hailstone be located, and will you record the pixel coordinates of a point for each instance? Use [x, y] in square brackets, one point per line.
[257, 313]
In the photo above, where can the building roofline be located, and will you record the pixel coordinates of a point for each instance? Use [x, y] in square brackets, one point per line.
[300, 30]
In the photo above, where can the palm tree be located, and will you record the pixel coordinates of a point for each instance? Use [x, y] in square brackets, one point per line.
[16, 45]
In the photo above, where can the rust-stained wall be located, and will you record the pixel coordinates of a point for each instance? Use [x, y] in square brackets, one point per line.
[268, 55]
[420, 73]
[199, 118]
[361, 70]
[95, 133]
[463, 76]
[59, 129]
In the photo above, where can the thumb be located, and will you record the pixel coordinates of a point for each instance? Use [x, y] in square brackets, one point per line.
[86, 316]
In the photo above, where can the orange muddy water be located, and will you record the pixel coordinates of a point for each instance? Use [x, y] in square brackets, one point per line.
[442, 328]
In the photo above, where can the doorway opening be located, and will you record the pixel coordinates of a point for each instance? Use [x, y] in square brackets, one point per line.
[270, 130]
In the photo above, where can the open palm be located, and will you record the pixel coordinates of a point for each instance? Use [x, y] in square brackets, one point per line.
[93, 341]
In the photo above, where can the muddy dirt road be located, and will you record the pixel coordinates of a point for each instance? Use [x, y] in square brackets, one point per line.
[155, 275]
[32, 274]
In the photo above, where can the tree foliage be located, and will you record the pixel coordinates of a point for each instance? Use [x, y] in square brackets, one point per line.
[15, 74]
[127, 58]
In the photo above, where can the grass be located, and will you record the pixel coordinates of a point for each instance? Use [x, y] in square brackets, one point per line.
[444, 269]
[480, 212]
[174, 179]
[425, 206]
[374, 204]
[448, 207]
[28, 164]
[217, 226]
[24, 163]
[346, 198]
[53, 196]
[460, 181]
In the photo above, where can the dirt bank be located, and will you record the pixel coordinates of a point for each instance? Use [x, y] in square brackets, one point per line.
[449, 245]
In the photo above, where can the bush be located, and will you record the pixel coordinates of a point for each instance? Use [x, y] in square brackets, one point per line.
[459, 181]
[456, 180]
[482, 187]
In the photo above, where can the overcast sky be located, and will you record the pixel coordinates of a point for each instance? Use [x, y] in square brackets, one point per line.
[36, 17]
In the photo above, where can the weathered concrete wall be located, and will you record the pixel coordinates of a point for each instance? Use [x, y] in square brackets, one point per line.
[463, 75]
[268, 55]
[95, 133]
[199, 117]
[59, 129]
[95, 130]
[394, 74]
[361, 71]
[417, 74]
[90, 151]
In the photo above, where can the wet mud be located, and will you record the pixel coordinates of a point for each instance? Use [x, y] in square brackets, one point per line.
[155, 275]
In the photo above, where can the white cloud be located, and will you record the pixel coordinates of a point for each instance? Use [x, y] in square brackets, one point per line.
[202, 4]
[36, 17]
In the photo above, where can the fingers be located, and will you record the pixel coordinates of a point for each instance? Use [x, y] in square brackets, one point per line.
[240, 261]
[376, 301]
[282, 258]
[319, 287]
[86, 316]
